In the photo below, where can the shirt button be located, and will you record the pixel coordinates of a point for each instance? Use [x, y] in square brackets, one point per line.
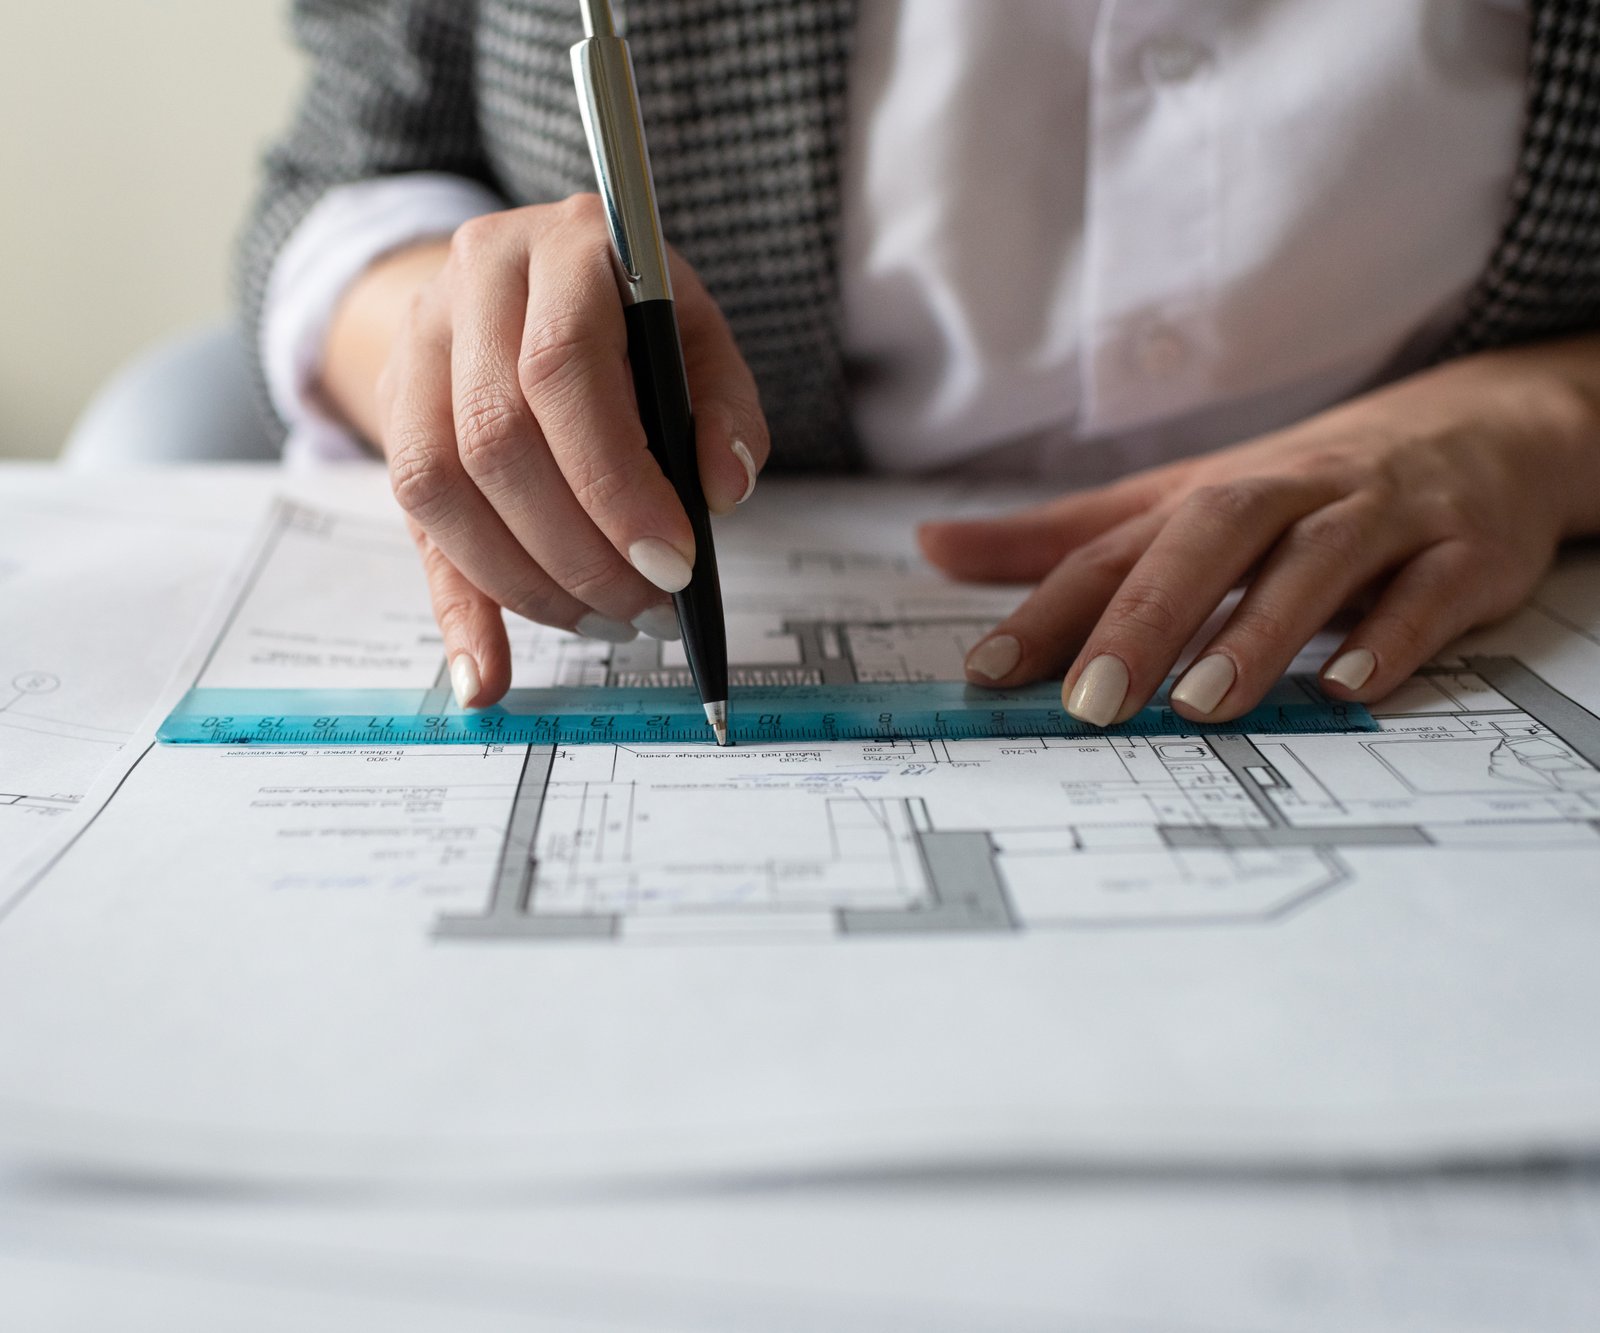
[1172, 60]
[1160, 352]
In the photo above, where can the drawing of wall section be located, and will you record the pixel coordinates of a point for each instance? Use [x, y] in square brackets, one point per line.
[1468, 751]
[509, 914]
[1573, 723]
[953, 884]
[1257, 778]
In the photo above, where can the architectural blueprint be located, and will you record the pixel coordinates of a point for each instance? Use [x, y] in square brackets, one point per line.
[567, 960]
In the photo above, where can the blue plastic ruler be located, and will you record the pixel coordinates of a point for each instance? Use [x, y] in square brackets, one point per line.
[757, 715]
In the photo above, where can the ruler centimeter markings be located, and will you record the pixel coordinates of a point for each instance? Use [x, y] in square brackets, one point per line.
[929, 710]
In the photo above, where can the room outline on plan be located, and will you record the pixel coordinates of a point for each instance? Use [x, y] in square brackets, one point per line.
[1105, 832]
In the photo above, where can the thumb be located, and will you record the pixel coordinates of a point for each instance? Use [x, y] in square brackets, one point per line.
[730, 427]
[731, 441]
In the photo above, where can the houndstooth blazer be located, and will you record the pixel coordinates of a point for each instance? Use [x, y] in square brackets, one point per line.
[745, 105]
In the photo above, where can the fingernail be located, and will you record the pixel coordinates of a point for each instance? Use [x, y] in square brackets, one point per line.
[1203, 685]
[659, 622]
[1353, 669]
[464, 679]
[1097, 697]
[741, 451]
[720, 504]
[596, 626]
[661, 564]
[995, 658]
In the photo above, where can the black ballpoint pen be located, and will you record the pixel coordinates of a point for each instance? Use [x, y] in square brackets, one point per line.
[609, 103]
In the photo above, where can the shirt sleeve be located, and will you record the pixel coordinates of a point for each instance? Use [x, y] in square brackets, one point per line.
[348, 229]
[391, 92]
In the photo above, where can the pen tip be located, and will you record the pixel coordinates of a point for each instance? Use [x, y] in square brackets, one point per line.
[717, 716]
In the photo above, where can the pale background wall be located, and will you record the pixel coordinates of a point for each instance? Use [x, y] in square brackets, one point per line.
[129, 132]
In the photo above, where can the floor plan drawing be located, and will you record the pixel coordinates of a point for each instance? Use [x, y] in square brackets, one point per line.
[857, 838]
[563, 959]
[1126, 831]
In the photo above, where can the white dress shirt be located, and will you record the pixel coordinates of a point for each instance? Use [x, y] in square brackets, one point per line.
[1085, 235]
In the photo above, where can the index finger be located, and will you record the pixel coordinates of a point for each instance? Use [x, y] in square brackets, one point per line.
[574, 374]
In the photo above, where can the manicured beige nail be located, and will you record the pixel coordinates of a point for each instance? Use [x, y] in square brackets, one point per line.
[741, 451]
[1097, 697]
[1352, 669]
[464, 679]
[720, 504]
[662, 564]
[659, 622]
[1204, 684]
[995, 658]
[596, 626]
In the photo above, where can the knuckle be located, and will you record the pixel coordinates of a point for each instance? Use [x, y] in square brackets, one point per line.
[584, 209]
[1381, 478]
[475, 239]
[1260, 627]
[1409, 632]
[1228, 503]
[556, 357]
[419, 479]
[1461, 515]
[490, 431]
[1147, 607]
[1336, 538]
[537, 603]
[1346, 472]
[596, 578]
[599, 484]
[454, 610]
[1106, 558]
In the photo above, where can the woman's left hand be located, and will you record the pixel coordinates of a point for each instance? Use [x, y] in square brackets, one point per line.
[1441, 499]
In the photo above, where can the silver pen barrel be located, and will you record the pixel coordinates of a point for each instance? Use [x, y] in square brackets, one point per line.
[597, 20]
[608, 101]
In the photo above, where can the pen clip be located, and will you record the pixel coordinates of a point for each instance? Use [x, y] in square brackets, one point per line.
[609, 104]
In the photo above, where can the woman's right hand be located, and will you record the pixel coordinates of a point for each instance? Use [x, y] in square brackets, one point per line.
[492, 370]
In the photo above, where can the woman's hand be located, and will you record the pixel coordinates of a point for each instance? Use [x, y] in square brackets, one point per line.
[493, 372]
[1441, 499]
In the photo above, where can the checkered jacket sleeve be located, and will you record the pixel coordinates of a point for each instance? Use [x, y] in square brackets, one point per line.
[1543, 278]
[388, 92]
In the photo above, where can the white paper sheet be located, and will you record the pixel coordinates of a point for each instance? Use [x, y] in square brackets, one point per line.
[476, 963]
[99, 600]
